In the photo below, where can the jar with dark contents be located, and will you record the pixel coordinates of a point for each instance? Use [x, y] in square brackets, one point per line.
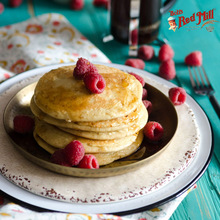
[150, 13]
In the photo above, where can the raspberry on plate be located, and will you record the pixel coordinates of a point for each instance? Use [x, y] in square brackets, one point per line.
[82, 67]
[92, 69]
[95, 83]
[139, 78]
[148, 105]
[165, 53]
[167, 69]
[23, 124]
[76, 4]
[177, 95]
[153, 131]
[136, 63]
[146, 52]
[74, 152]
[194, 59]
[59, 157]
[144, 94]
[89, 161]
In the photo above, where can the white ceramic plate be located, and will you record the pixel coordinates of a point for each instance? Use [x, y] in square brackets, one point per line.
[170, 191]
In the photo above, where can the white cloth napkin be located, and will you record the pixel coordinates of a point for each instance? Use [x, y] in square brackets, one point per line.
[45, 40]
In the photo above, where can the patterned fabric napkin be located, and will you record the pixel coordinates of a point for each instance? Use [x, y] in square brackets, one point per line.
[41, 41]
[45, 40]
[10, 211]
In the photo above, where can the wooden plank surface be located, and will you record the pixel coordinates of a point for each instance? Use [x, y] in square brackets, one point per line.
[203, 202]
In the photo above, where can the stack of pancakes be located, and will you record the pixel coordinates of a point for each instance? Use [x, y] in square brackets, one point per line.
[109, 125]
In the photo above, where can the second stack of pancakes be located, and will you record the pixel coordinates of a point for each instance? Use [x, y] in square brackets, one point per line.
[109, 125]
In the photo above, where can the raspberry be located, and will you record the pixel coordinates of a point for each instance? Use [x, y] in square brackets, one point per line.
[95, 83]
[177, 95]
[92, 69]
[153, 131]
[23, 124]
[82, 67]
[134, 37]
[167, 70]
[1, 8]
[15, 3]
[146, 52]
[100, 3]
[148, 105]
[144, 94]
[89, 161]
[165, 53]
[74, 152]
[136, 63]
[58, 157]
[139, 78]
[194, 59]
[76, 4]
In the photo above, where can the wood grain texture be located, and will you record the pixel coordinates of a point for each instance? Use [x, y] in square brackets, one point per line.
[203, 202]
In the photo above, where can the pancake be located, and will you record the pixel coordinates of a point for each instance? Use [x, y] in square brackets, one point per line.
[59, 139]
[61, 96]
[142, 120]
[49, 148]
[103, 158]
[109, 125]
[98, 126]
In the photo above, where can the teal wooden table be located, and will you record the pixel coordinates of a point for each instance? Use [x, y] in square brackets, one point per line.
[92, 22]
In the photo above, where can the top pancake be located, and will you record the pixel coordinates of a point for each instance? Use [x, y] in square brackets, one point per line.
[61, 96]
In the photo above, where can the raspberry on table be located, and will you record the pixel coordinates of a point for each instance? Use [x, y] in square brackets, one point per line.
[101, 3]
[134, 37]
[15, 3]
[146, 52]
[89, 161]
[23, 124]
[165, 53]
[135, 62]
[59, 157]
[177, 95]
[95, 83]
[153, 131]
[74, 152]
[139, 78]
[194, 59]
[76, 4]
[167, 69]
[148, 105]
[144, 94]
[1, 8]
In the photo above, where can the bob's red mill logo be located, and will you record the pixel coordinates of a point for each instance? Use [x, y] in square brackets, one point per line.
[199, 18]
